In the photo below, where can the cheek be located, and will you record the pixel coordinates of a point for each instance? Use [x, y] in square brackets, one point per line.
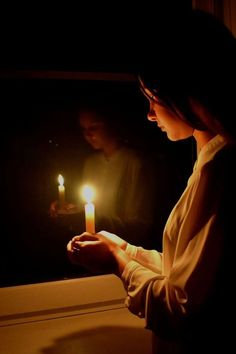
[179, 131]
[175, 127]
[89, 138]
[164, 116]
[86, 137]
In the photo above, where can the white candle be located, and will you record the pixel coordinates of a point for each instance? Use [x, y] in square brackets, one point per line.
[89, 217]
[61, 191]
[89, 208]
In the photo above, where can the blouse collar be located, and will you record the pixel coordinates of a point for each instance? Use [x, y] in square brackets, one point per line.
[209, 150]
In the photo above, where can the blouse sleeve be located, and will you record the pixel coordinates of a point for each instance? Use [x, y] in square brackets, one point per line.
[150, 259]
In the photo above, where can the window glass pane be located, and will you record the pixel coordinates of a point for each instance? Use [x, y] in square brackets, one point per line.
[40, 139]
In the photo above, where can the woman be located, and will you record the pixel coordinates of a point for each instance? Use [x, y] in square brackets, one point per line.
[185, 292]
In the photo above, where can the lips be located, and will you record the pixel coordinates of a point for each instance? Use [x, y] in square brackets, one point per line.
[161, 127]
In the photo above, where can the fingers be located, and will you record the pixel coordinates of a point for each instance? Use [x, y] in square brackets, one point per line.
[69, 246]
[73, 254]
[85, 237]
[53, 209]
[92, 252]
[80, 241]
[70, 206]
[78, 245]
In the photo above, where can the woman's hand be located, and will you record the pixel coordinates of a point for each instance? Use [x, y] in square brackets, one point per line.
[115, 239]
[98, 253]
[93, 252]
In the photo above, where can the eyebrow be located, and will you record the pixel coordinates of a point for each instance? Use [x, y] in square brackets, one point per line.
[148, 94]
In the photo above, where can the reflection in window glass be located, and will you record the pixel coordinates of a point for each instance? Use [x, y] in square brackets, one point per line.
[40, 139]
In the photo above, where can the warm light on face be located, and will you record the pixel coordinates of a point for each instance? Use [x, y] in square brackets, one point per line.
[88, 193]
[61, 180]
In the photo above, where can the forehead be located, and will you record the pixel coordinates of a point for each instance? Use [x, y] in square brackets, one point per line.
[89, 118]
[92, 125]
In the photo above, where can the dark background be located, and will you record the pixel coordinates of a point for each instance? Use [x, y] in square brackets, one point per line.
[92, 37]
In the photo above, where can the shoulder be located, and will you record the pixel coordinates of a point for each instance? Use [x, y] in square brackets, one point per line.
[218, 175]
[223, 163]
[132, 153]
[133, 158]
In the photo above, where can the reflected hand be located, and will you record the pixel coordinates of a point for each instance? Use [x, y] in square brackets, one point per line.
[68, 207]
[53, 209]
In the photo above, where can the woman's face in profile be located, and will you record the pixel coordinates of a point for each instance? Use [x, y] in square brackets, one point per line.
[94, 130]
[166, 119]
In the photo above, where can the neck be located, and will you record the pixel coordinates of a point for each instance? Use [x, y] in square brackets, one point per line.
[202, 138]
[110, 149]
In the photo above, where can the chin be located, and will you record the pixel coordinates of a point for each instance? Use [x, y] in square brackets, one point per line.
[172, 137]
[178, 137]
[95, 146]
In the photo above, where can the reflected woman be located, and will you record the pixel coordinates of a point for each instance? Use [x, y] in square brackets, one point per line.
[123, 179]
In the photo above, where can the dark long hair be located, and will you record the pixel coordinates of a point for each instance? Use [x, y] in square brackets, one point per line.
[196, 60]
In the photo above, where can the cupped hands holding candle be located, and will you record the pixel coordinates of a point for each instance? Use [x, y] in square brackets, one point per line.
[103, 252]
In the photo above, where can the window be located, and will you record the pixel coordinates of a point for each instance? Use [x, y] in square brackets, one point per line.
[40, 139]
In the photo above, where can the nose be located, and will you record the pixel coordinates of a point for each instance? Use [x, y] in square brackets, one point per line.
[151, 116]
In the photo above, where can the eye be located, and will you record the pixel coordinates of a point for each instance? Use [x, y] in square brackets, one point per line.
[154, 98]
[149, 95]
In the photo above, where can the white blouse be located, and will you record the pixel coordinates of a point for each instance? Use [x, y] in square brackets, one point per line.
[166, 287]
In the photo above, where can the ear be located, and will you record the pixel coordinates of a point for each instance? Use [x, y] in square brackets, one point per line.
[201, 111]
[205, 115]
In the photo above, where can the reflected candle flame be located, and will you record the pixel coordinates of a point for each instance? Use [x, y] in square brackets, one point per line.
[61, 191]
[60, 180]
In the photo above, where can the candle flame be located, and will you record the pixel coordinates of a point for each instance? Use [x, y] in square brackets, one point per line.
[61, 180]
[88, 193]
